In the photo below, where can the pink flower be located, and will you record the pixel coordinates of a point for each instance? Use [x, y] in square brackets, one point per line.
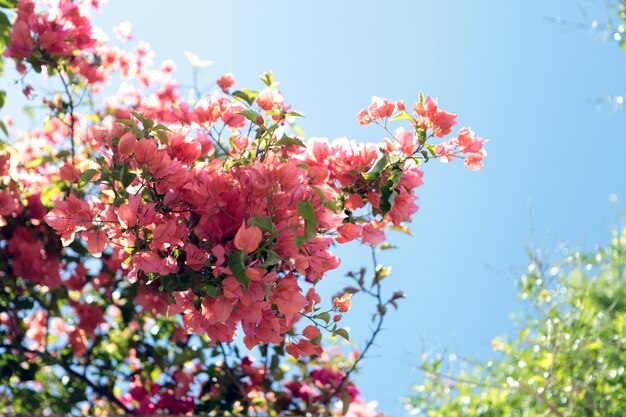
[311, 332]
[348, 232]
[372, 235]
[468, 143]
[126, 216]
[439, 121]
[21, 45]
[226, 81]
[123, 32]
[96, 241]
[381, 108]
[287, 296]
[474, 161]
[248, 238]
[70, 173]
[343, 303]
[407, 140]
[196, 258]
[146, 151]
[364, 117]
[127, 144]
[267, 99]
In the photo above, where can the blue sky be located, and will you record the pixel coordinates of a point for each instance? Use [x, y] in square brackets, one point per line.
[527, 84]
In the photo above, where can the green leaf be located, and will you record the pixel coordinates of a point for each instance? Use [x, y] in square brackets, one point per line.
[286, 140]
[378, 167]
[86, 176]
[253, 116]
[325, 316]
[147, 123]
[29, 111]
[268, 78]
[127, 122]
[389, 191]
[305, 210]
[161, 127]
[263, 222]
[212, 291]
[343, 333]
[319, 192]
[3, 98]
[386, 246]
[162, 137]
[246, 95]
[272, 259]
[346, 400]
[331, 205]
[403, 115]
[381, 273]
[236, 266]
[8, 4]
[127, 176]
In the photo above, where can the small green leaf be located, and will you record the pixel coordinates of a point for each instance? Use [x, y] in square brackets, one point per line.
[346, 400]
[286, 140]
[305, 210]
[127, 177]
[87, 175]
[272, 259]
[343, 333]
[403, 115]
[212, 291]
[147, 123]
[162, 137]
[386, 246]
[253, 116]
[161, 127]
[268, 78]
[263, 222]
[246, 95]
[381, 273]
[378, 167]
[8, 4]
[127, 122]
[236, 266]
[323, 316]
[389, 191]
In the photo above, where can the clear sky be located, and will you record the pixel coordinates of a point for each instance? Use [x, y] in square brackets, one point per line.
[529, 85]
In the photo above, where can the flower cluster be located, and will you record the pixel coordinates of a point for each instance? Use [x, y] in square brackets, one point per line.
[429, 121]
[144, 235]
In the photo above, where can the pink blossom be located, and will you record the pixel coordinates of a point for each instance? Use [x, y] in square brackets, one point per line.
[248, 238]
[226, 81]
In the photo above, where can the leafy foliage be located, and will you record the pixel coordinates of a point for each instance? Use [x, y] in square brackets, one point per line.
[569, 356]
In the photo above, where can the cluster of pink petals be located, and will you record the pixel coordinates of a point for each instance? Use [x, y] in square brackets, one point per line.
[431, 117]
[471, 148]
[150, 398]
[431, 121]
[56, 33]
[189, 208]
